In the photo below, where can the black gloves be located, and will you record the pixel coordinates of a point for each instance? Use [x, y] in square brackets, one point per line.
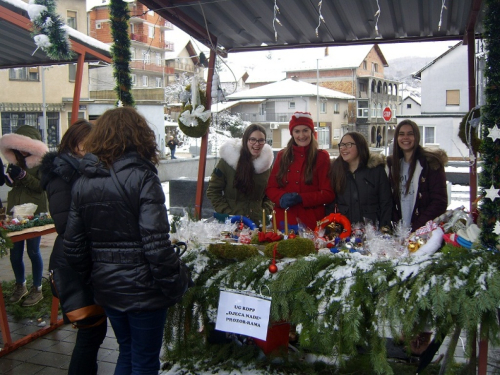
[15, 172]
[289, 200]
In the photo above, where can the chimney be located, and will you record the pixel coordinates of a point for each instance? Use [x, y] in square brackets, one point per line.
[326, 51]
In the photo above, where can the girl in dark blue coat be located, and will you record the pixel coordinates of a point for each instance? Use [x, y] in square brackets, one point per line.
[117, 237]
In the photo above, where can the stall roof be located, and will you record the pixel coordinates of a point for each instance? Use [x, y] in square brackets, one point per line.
[17, 47]
[249, 25]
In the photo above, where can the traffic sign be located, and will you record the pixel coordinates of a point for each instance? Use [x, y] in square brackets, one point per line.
[387, 114]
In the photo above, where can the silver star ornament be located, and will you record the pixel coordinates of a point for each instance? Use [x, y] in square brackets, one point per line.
[494, 133]
[492, 193]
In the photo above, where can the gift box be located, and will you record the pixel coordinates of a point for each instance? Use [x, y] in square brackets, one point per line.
[276, 340]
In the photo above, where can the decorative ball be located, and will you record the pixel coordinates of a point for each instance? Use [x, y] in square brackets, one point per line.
[273, 268]
[413, 246]
[420, 242]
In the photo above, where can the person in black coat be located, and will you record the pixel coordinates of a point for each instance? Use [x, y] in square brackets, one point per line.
[362, 188]
[117, 236]
[59, 173]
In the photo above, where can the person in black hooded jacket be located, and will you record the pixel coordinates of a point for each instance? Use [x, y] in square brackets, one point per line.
[59, 173]
[362, 188]
[117, 236]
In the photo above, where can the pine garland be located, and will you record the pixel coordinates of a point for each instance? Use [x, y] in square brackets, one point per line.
[344, 301]
[120, 51]
[48, 30]
[490, 150]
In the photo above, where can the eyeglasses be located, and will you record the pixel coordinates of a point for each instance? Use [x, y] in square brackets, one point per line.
[347, 144]
[253, 141]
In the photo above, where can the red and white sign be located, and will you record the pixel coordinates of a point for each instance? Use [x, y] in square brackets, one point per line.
[387, 114]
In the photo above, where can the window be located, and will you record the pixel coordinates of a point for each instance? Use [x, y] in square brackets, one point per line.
[158, 82]
[428, 134]
[262, 109]
[24, 74]
[151, 31]
[132, 28]
[364, 64]
[452, 97]
[336, 108]
[322, 107]
[71, 19]
[363, 108]
[13, 120]
[72, 72]
[134, 79]
[408, 106]
[146, 57]
[144, 80]
[374, 67]
[362, 87]
[98, 25]
[291, 105]
[158, 59]
[132, 53]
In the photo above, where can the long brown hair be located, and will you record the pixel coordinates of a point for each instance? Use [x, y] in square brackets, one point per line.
[287, 159]
[397, 154]
[121, 130]
[243, 179]
[339, 168]
[75, 135]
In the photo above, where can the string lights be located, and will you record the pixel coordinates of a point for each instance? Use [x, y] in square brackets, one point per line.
[320, 16]
[377, 15]
[276, 20]
[443, 7]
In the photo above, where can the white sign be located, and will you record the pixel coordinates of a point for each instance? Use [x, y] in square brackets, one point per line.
[243, 313]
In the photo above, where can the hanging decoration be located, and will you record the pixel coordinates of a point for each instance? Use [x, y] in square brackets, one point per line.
[443, 7]
[194, 120]
[120, 50]
[320, 16]
[490, 148]
[468, 130]
[49, 31]
[377, 14]
[276, 20]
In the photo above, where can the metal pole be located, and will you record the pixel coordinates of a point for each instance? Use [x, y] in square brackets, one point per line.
[44, 109]
[317, 95]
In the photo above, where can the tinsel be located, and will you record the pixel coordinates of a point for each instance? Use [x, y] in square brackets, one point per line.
[48, 30]
[345, 301]
[490, 150]
[120, 50]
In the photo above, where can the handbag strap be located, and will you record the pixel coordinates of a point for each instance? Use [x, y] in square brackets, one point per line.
[122, 193]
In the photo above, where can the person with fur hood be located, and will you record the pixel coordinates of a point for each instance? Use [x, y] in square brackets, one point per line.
[417, 178]
[238, 183]
[362, 188]
[24, 150]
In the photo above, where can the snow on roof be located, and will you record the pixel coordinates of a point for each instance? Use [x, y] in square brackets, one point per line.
[414, 98]
[265, 75]
[338, 57]
[180, 40]
[219, 107]
[288, 88]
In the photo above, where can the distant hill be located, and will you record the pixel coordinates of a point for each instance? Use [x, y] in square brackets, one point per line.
[402, 68]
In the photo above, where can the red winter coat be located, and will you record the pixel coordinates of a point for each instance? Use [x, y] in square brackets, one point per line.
[314, 196]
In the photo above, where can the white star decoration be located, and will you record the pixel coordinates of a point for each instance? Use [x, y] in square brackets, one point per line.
[497, 228]
[494, 133]
[492, 193]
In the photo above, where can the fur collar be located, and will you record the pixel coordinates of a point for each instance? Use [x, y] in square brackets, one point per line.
[436, 158]
[13, 141]
[230, 152]
[375, 160]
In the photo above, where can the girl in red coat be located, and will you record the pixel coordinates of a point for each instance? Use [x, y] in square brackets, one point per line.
[299, 178]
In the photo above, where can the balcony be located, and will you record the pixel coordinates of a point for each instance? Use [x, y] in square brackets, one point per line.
[268, 117]
[168, 46]
[148, 67]
[166, 25]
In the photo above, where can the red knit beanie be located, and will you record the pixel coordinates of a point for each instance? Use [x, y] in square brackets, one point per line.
[301, 118]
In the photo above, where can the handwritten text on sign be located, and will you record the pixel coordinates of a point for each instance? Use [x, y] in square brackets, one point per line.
[243, 314]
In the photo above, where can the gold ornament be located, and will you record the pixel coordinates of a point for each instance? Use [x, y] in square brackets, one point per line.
[413, 246]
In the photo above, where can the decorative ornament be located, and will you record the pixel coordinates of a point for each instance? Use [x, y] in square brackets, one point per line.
[377, 14]
[272, 267]
[320, 17]
[413, 246]
[335, 223]
[194, 120]
[49, 32]
[443, 7]
[276, 20]
[492, 193]
[497, 228]
[468, 130]
[494, 133]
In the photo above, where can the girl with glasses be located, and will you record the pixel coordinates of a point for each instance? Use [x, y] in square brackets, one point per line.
[362, 189]
[298, 181]
[417, 177]
[238, 182]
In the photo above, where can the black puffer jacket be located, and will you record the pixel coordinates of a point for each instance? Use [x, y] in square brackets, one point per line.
[124, 250]
[58, 175]
[367, 194]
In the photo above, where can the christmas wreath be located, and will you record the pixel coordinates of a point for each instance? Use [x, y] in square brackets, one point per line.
[194, 120]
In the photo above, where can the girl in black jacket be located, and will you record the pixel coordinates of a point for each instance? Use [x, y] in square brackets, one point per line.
[362, 189]
[117, 236]
[59, 173]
